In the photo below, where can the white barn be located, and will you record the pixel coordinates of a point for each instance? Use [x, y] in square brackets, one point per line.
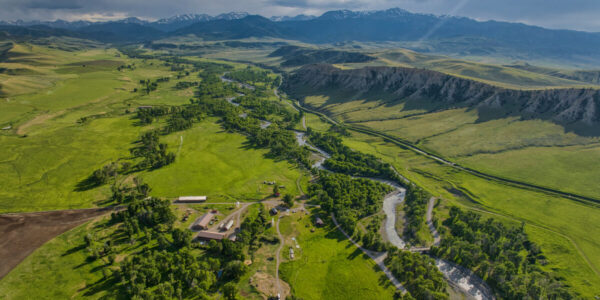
[191, 199]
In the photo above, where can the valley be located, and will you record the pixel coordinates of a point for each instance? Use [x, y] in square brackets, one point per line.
[240, 157]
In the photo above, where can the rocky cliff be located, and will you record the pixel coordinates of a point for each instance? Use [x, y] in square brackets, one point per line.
[578, 109]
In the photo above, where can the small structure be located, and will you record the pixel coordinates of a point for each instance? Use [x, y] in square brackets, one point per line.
[203, 222]
[229, 225]
[273, 211]
[291, 253]
[319, 222]
[144, 107]
[191, 199]
[6, 128]
[207, 235]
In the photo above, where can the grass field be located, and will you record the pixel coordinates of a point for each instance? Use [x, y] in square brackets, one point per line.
[534, 151]
[328, 266]
[47, 151]
[220, 165]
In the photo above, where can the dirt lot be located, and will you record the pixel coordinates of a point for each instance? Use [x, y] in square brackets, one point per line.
[23, 233]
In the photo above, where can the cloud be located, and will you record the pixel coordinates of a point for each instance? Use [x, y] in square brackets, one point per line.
[56, 4]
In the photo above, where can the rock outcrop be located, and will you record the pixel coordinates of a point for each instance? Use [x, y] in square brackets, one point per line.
[578, 109]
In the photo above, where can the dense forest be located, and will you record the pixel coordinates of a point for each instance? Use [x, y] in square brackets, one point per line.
[164, 264]
[345, 160]
[418, 274]
[348, 198]
[503, 256]
[415, 207]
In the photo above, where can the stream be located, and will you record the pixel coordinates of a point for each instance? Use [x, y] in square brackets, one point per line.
[462, 279]
[469, 284]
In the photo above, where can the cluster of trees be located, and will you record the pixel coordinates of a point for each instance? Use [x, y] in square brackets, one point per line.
[415, 208]
[124, 193]
[104, 174]
[345, 160]
[154, 153]
[123, 67]
[348, 198]
[418, 274]
[503, 256]
[148, 86]
[186, 84]
[371, 238]
[147, 115]
[167, 275]
[165, 266]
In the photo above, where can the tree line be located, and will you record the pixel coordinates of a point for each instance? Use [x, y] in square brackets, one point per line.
[502, 256]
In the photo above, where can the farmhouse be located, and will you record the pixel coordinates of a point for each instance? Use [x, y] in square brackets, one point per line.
[191, 199]
[202, 222]
[207, 235]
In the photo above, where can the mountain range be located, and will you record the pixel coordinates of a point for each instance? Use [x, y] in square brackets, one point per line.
[421, 32]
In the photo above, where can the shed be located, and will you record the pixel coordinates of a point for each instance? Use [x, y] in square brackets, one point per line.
[274, 211]
[202, 222]
[207, 235]
[191, 199]
[229, 225]
[319, 222]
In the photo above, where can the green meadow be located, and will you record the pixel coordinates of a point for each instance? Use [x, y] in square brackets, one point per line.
[533, 151]
[328, 266]
[220, 165]
[48, 150]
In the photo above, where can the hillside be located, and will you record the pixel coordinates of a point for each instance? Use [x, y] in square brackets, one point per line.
[544, 137]
[576, 109]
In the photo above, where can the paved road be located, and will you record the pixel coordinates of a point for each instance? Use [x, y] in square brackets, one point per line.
[377, 257]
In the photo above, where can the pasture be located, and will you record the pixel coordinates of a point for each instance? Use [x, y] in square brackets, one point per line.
[328, 266]
[502, 147]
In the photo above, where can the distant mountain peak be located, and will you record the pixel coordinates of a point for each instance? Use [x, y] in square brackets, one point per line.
[231, 16]
[185, 18]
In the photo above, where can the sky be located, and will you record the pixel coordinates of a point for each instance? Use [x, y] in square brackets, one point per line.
[562, 14]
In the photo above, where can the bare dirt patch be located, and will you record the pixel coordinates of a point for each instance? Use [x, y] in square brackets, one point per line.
[35, 121]
[23, 233]
[265, 284]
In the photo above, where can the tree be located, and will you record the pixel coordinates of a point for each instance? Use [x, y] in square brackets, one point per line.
[288, 199]
[181, 238]
[276, 190]
[230, 291]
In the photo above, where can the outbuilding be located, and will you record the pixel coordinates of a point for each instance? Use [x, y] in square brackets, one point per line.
[319, 222]
[229, 225]
[203, 222]
[207, 235]
[191, 199]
